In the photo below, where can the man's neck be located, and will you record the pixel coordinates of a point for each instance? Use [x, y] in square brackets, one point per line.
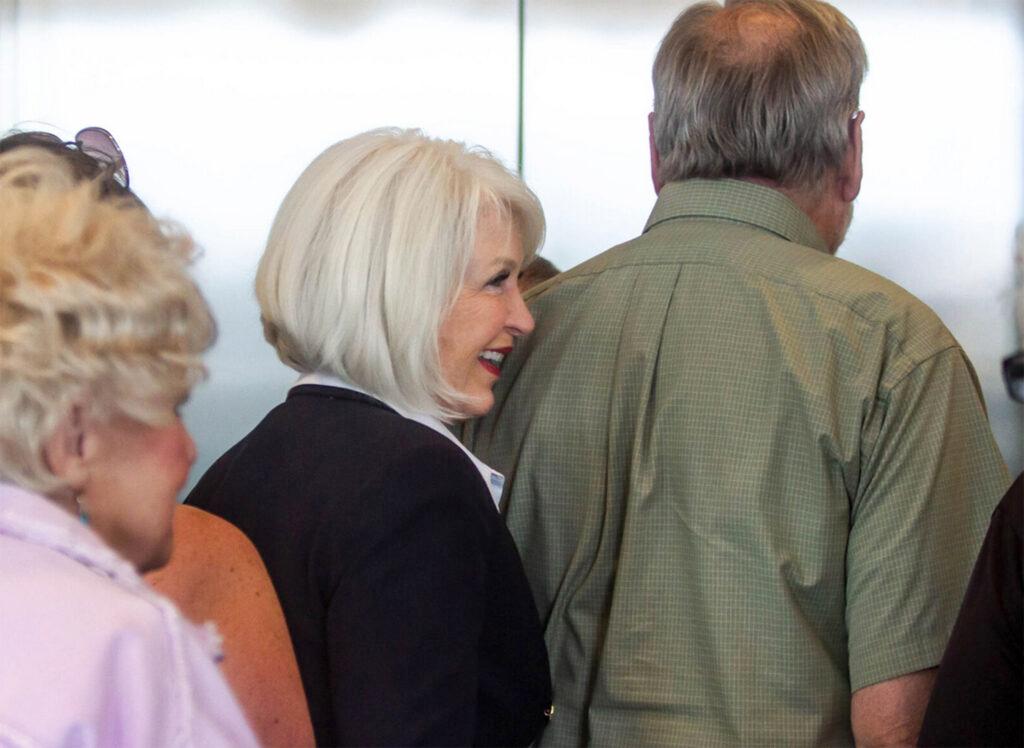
[829, 214]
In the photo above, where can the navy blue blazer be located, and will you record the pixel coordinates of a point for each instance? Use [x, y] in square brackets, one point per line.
[403, 591]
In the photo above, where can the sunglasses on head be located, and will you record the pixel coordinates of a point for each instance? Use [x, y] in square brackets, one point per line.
[1013, 374]
[94, 142]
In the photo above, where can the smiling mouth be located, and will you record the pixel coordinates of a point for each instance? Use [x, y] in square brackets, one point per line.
[492, 359]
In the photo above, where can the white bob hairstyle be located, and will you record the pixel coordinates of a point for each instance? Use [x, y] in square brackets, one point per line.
[368, 253]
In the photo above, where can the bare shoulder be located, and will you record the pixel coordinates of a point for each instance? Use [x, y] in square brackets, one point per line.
[216, 574]
[210, 536]
[211, 557]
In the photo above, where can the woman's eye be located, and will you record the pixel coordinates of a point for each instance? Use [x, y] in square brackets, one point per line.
[499, 279]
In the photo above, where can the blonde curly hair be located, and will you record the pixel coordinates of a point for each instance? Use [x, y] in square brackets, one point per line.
[96, 307]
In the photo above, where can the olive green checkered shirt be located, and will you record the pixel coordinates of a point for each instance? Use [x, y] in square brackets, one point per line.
[746, 477]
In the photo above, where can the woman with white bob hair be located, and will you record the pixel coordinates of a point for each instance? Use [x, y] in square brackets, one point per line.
[101, 333]
[389, 283]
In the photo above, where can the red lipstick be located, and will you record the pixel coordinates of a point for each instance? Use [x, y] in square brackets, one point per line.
[492, 359]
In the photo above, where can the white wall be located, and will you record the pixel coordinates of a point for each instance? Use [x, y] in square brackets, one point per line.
[944, 152]
[219, 105]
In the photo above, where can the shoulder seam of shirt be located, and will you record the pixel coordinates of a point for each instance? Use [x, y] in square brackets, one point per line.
[773, 278]
[917, 365]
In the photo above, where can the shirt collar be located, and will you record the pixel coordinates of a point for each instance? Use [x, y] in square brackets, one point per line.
[736, 200]
[33, 518]
[36, 519]
[494, 480]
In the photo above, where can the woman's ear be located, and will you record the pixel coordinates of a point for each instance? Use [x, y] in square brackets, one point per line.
[65, 451]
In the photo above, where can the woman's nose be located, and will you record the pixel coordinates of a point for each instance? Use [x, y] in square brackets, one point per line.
[520, 320]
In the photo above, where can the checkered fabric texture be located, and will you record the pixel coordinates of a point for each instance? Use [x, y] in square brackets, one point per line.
[746, 478]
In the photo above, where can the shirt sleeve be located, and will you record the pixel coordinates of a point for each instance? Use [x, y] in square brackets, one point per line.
[931, 474]
[404, 623]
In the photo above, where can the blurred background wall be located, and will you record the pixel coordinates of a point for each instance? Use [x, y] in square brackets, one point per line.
[219, 105]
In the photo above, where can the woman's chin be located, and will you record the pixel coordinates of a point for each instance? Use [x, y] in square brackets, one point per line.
[156, 558]
[475, 406]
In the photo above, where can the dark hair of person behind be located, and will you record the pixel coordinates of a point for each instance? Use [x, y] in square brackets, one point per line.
[536, 272]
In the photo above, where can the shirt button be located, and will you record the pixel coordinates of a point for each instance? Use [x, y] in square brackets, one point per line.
[550, 711]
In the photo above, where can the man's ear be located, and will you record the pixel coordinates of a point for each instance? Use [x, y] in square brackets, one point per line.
[853, 164]
[65, 450]
[655, 158]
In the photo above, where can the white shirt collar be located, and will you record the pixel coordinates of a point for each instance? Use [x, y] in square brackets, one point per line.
[494, 480]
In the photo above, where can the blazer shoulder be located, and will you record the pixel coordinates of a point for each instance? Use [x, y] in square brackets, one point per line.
[426, 460]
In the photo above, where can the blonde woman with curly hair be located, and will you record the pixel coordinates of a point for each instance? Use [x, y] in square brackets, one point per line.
[101, 333]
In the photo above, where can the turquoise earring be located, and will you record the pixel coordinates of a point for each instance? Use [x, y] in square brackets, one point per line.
[83, 515]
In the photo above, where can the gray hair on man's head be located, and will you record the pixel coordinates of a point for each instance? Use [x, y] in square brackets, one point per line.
[368, 254]
[757, 88]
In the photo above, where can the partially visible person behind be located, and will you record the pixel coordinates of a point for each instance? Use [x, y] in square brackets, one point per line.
[748, 479]
[216, 574]
[978, 698]
[389, 284]
[538, 271]
[101, 333]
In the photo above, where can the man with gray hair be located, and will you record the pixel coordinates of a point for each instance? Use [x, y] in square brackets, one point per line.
[748, 479]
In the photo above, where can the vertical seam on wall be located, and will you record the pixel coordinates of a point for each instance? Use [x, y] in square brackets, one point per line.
[9, 22]
[521, 85]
